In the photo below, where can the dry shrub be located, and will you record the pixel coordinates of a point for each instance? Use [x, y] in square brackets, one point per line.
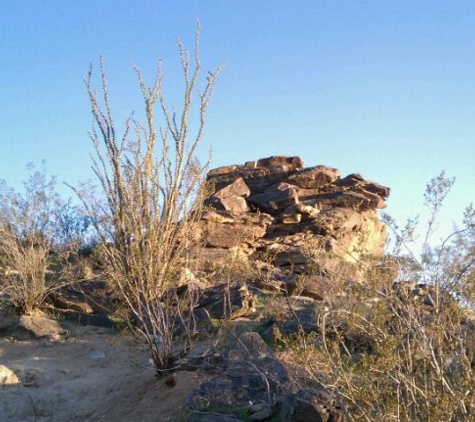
[153, 188]
[402, 351]
[33, 258]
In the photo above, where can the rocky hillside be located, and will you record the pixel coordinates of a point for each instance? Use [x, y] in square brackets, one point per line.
[278, 208]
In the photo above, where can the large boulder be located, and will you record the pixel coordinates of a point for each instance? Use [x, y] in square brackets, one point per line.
[250, 373]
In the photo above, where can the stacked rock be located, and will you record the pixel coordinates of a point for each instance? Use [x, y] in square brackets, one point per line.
[276, 205]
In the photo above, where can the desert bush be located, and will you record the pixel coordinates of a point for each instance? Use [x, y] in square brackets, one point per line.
[152, 186]
[31, 250]
[401, 345]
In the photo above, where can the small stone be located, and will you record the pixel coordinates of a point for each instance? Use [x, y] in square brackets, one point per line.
[260, 412]
[170, 380]
[96, 355]
[7, 376]
[291, 219]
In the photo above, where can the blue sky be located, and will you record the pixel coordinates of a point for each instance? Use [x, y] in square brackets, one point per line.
[383, 88]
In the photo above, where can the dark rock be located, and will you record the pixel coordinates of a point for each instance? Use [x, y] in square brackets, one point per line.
[314, 286]
[316, 406]
[209, 417]
[224, 301]
[251, 373]
[303, 318]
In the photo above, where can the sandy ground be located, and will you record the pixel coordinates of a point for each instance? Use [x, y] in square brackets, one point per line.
[94, 375]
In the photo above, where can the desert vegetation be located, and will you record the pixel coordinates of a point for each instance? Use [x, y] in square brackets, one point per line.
[39, 233]
[272, 281]
[153, 187]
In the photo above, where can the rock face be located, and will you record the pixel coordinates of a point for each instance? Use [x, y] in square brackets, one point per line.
[277, 207]
[251, 378]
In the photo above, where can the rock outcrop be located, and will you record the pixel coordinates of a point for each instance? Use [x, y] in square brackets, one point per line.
[278, 207]
[251, 378]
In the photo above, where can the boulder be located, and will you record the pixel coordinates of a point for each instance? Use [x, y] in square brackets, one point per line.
[316, 406]
[314, 286]
[314, 177]
[234, 204]
[236, 188]
[276, 198]
[287, 163]
[253, 379]
[225, 301]
[225, 230]
[250, 373]
[41, 327]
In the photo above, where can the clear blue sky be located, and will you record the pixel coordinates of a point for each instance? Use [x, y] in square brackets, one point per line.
[384, 88]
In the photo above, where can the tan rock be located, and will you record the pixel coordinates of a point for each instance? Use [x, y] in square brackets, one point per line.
[290, 218]
[276, 198]
[258, 175]
[257, 179]
[243, 228]
[41, 327]
[234, 204]
[218, 217]
[212, 259]
[289, 163]
[316, 212]
[7, 376]
[314, 177]
[223, 170]
[62, 302]
[236, 188]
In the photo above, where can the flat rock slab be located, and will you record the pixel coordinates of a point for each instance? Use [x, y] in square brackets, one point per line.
[41, 327]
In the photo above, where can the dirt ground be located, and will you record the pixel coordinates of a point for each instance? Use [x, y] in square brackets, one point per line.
[95, 374]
